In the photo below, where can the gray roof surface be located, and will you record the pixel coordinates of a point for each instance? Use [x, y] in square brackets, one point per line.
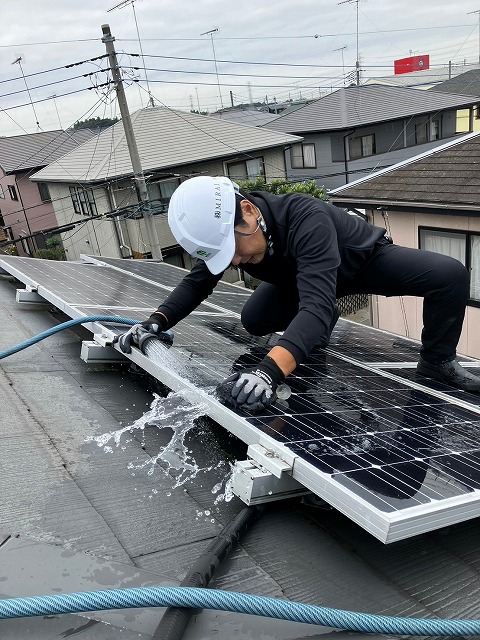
[33, 150]
[251, 117]
[353, 107]
[446, 175]
[87, 521]
[467, 83]
[165, 139]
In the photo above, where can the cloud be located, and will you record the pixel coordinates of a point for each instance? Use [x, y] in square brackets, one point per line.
[281, 33]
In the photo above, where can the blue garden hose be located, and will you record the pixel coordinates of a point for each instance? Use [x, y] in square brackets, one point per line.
[234, 602]
[61, 327]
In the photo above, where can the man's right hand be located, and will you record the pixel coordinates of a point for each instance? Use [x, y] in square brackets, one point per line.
[137, 334]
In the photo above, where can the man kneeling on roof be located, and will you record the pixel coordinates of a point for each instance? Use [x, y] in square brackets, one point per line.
[307, 253]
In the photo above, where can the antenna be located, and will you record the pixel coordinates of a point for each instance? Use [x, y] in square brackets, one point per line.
[342, 49]
[477, 11]
[357, 63]
[210, 33]
[18, 61]
[120, 5]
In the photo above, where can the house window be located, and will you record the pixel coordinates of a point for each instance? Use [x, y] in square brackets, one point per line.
[26, 246]
[303, 156]
[434, 129]
[2, 192]
[463, 246]
[83, 201]
[44, 192]
[246, 170]
[13, 192]
[361, 146]
[421, 135]
[2, 221]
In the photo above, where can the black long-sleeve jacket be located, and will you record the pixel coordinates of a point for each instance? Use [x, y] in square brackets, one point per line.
[316, 247]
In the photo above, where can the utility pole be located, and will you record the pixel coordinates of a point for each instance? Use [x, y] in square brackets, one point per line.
[138, 175]
[477, 11]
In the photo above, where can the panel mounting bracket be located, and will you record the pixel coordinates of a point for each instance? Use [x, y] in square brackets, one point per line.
[29, 295]
[95, 353]
[271, 460]
[255, 485]
[104, 339]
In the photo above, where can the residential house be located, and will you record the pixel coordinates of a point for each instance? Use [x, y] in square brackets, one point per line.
[93, 186]
[430, 202]
[425, 78]
[358, 130]
[25, 207]
[467, 84]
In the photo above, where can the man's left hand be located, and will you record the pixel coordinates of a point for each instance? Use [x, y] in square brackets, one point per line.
[253, 388]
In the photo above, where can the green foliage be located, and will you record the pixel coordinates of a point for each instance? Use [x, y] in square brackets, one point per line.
[10, 250]
[94, 123]
[50, 254]
[281, 187]
[53, 251]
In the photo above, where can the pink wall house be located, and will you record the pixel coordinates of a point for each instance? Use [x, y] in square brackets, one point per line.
[26, 209]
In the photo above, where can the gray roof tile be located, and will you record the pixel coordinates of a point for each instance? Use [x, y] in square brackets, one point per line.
[354, 107]
[446, 176]
[165, 139]
[34, 150]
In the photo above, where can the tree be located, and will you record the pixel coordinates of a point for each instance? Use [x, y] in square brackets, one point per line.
[94, 123]
[53, 251]
[283, 186]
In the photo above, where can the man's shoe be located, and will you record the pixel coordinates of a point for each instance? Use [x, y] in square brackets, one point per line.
[450, 372]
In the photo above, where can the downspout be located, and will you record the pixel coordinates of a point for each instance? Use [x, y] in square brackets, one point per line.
[346, 154]
[35, 246]
[116, 224]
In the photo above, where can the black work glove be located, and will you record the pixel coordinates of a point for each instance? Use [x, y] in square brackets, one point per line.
[253, 388]
[153, 327]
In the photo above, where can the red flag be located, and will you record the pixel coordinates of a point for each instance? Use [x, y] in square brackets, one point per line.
[413, 63]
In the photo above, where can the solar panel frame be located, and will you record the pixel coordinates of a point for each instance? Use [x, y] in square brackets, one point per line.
[364, 412]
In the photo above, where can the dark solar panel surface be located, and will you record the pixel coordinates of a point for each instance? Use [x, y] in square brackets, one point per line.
[388, 443]
[225, 295]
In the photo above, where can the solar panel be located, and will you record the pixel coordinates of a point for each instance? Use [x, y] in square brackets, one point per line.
[396, 456]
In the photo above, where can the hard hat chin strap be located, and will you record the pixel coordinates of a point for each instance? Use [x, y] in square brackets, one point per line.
[268, 237]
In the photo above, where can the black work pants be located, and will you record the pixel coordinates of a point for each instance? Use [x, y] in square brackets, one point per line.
[391, 270]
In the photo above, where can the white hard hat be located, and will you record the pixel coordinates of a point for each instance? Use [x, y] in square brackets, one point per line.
[201, 215]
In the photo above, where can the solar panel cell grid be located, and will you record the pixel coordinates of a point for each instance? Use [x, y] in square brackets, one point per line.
[389, 444]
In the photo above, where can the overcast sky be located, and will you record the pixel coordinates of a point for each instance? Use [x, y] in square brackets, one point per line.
[301, 49]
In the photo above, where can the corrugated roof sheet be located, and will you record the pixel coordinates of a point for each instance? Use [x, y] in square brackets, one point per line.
[353, 107]
[165, 139]
[448, 175]
[29, 151]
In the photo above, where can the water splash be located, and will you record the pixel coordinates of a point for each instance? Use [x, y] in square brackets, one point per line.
[173, 413]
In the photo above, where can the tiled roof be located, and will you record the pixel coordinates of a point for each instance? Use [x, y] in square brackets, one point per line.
[446, 176]
[467, 83]
[165, 139]
[354, 107]
[34, 150]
